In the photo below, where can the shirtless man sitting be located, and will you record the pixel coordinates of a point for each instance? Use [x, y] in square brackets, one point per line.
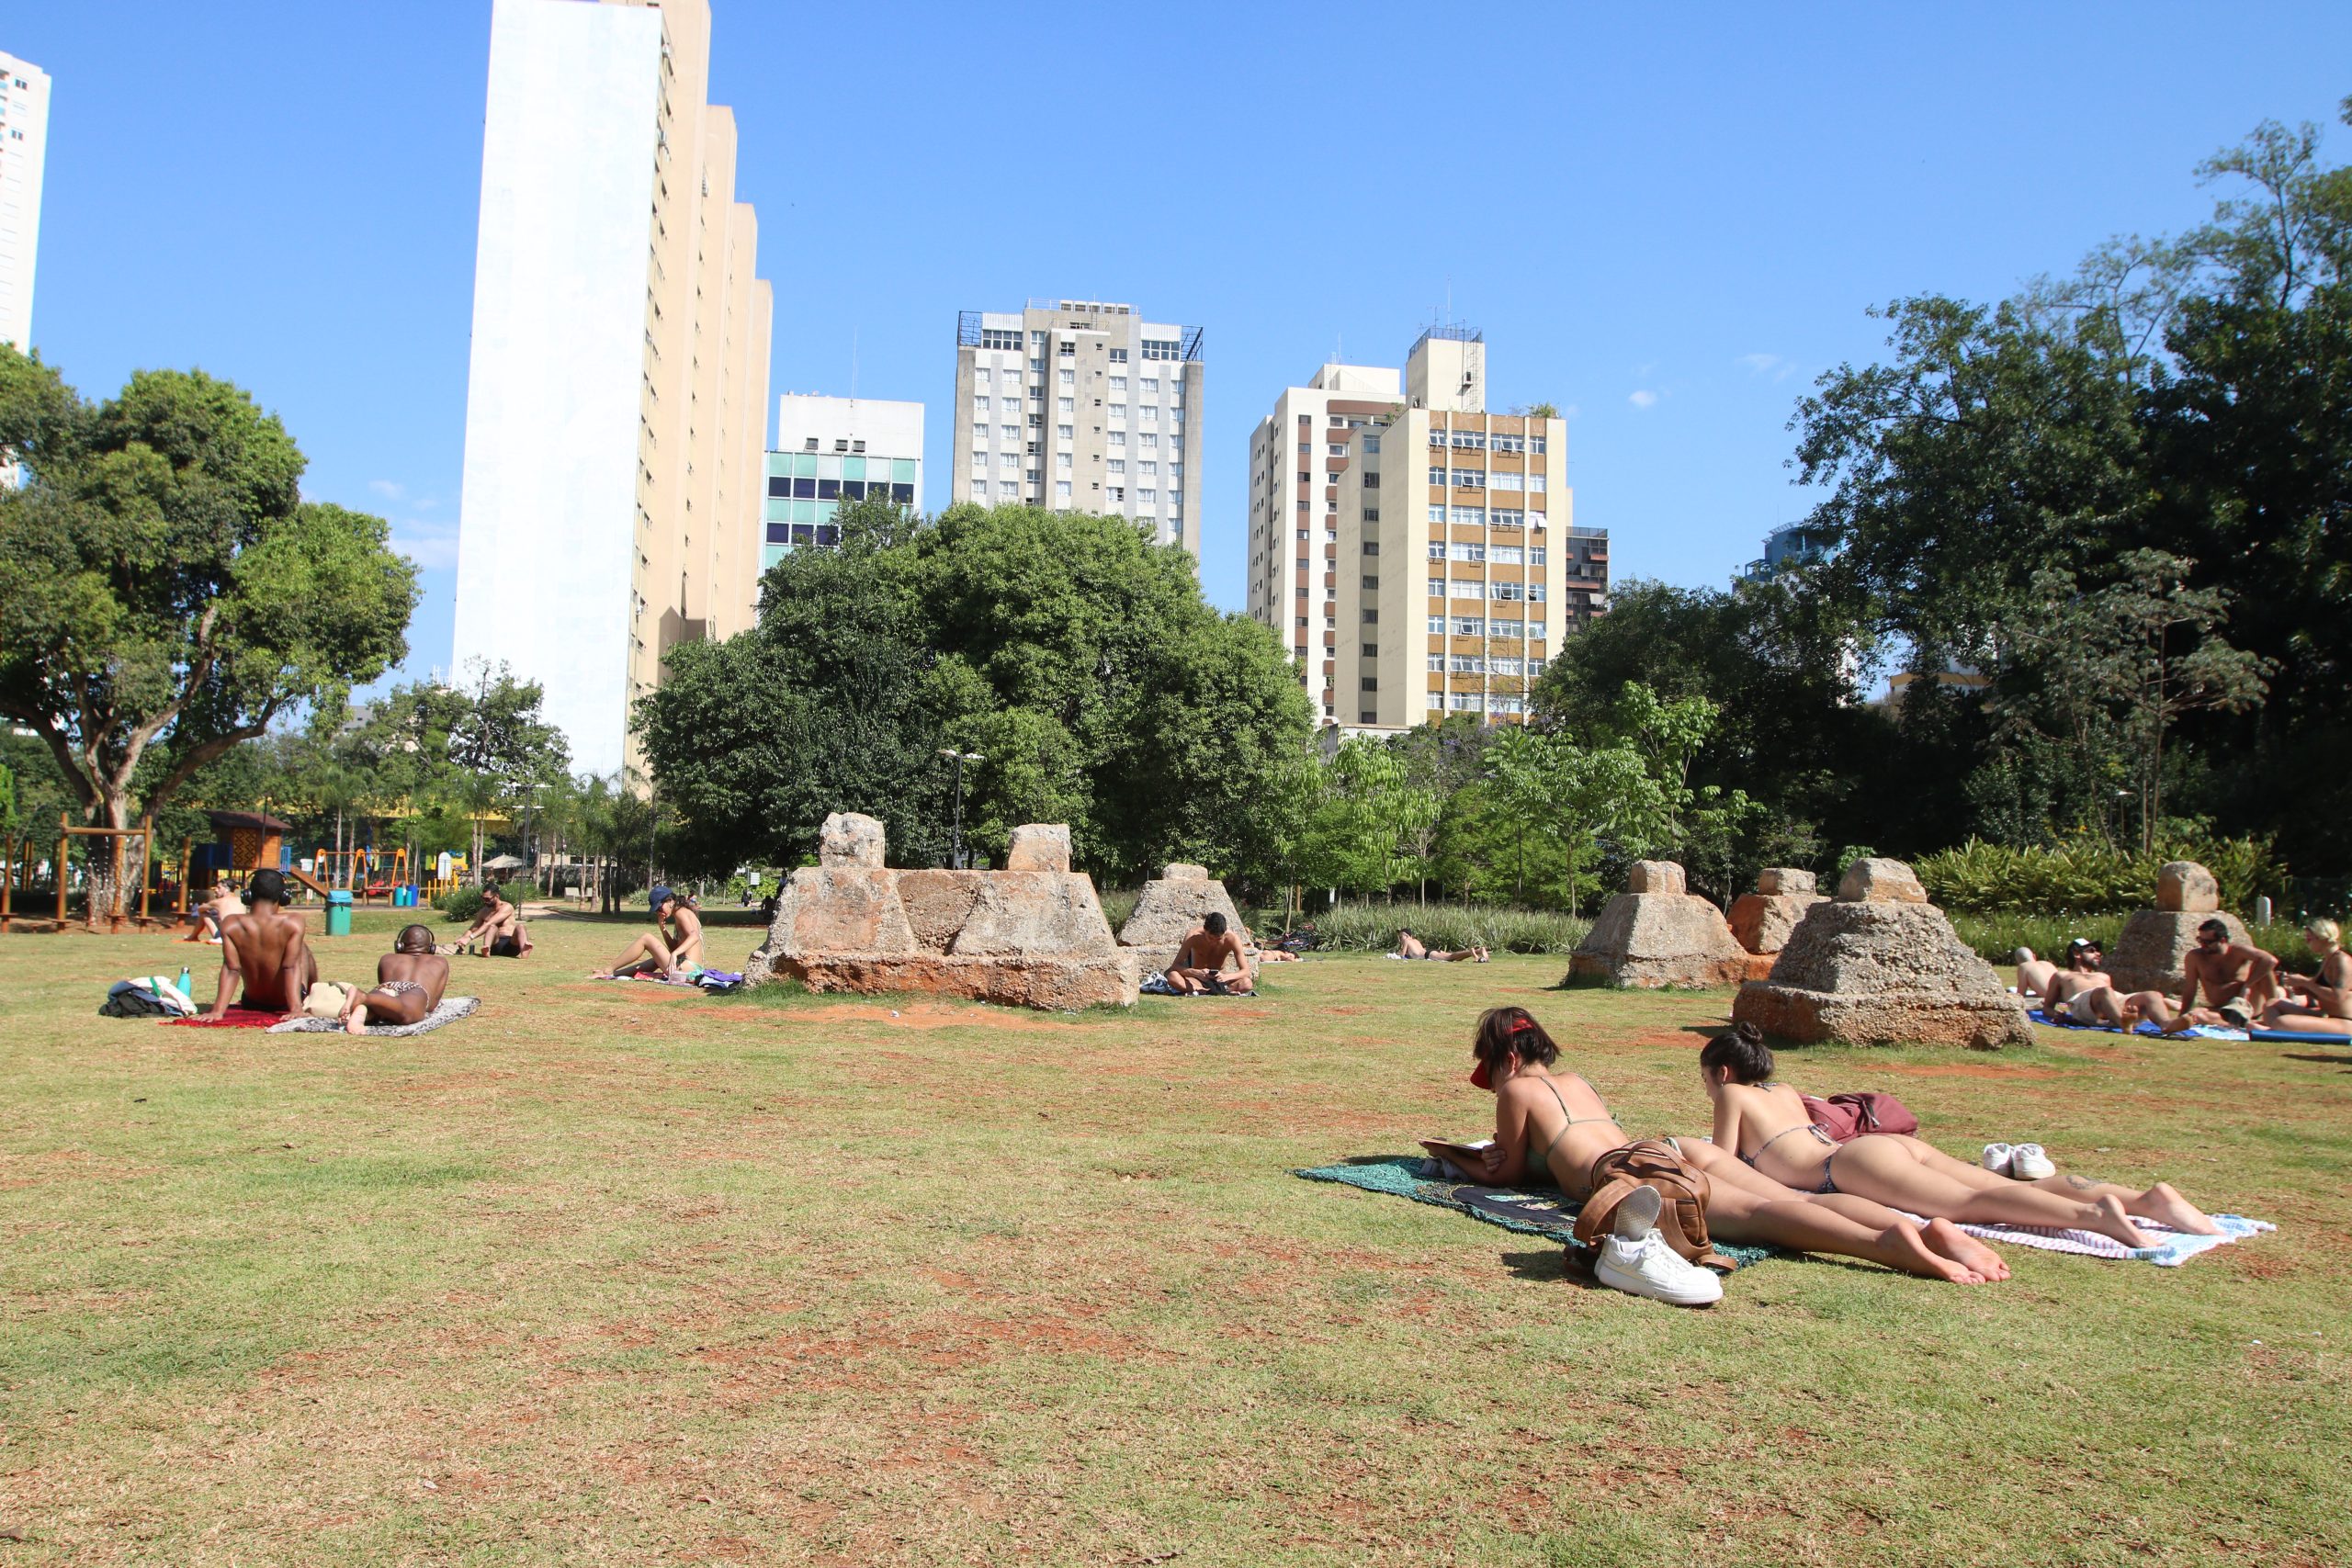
[499, 928]
[2316, 1007]
[2238, 981]
[263, 951]
[409, 983]
[672, 949]
[1199, 966]
[1411, 946]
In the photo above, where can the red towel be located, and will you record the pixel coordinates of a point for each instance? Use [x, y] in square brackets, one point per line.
[239, 1017]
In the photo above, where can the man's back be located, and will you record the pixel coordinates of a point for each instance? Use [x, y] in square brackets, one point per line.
[429, 970]
[264, 944]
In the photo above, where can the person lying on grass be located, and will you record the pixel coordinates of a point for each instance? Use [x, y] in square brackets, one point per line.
[1767, 1126]
[2066, 990]
[263, 951]
[1199, 967]
[499, 928]
[2316, 1007]
[1555, 1125]
[1411, 946]
[671, 949]
[409, 983]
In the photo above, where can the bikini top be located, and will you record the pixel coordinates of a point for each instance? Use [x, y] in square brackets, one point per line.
[1544, 1159]
[1815, 1128]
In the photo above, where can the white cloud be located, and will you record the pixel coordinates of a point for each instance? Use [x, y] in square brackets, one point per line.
[432, 545]
[1771, 365]
[390, 489]
[1644, 399]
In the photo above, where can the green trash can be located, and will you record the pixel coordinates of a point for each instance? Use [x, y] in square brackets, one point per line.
[339, 912]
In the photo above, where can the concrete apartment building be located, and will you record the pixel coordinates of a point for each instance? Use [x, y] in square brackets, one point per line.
[1078, 403]
[24, 150]
[616, 400]
[1445, 541]
[830, 450]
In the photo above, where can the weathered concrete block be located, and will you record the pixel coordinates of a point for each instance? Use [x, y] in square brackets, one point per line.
[1651, 941]
[1877, 881]
[850, 838]
[1876, 972]
[1763, 922]
[2188, 888]
[1183, 871]
[1039, 846]
[1656, 876]
[1776, 880]
[2148, 955]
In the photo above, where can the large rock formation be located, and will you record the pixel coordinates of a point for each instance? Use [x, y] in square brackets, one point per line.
[1656, 934]
[1880, 965]
[2148, 955]
[1763, 920]
[1172, 905]
[1030, 937]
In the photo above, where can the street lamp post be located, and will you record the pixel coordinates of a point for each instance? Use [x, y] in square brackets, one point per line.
[956, 849]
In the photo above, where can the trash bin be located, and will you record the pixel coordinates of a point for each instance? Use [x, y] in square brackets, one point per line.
[339, 912]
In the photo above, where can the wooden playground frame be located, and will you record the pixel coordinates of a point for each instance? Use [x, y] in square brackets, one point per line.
[17, 856]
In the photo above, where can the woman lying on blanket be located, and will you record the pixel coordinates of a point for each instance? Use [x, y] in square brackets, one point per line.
[1767, 1126]
[1557, 1125]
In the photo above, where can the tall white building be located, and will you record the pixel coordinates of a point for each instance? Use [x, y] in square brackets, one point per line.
[832, 450]
[616, 400]
[1079, 405]
[24, 146]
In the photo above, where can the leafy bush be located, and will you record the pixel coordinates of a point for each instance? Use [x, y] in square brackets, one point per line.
[1118, 903]
[2088, 877]
[461, 904]
[1372, 928]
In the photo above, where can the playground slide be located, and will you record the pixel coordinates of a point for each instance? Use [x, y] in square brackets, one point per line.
[307, 880]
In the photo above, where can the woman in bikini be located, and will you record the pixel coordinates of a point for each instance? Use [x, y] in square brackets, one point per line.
[1548, 1123]
[1767, 1126]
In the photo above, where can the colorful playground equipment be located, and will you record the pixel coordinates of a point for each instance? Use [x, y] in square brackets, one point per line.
[366, 871]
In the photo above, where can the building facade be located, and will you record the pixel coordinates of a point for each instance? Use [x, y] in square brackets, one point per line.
[1789, 548]
[830, 450]
[24, 150]
[616, 398]
[1079, 405]
[1441, 542]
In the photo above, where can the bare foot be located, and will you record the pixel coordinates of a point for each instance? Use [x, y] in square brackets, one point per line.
[356, 1021]
[2108, 1218]
[1944, 1237]
[1911, 1253]
[2166, 1206]
[600, 974]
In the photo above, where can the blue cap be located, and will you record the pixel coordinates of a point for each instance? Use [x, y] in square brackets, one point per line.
[658, 897]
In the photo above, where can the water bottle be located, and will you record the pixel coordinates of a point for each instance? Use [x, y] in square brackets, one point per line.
[188, 980]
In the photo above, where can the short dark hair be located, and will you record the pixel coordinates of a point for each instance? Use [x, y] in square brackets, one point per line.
[267, 887]
[1213, 923]
[2214, 927]
[1743, 1051]
[1508, 1032]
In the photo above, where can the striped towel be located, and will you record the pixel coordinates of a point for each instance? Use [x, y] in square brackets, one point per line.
[2175, 1247]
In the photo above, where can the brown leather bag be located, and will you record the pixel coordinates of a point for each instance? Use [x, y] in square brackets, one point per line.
[1652, 1162]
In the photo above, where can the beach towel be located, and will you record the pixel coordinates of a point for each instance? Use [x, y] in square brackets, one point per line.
[451, 1009]
[1530, 1211]
[2194, 1031]
[239, 1016]
[2173, 1249]
[2298, 1038]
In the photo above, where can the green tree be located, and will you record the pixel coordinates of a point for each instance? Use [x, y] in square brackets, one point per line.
[163, 587]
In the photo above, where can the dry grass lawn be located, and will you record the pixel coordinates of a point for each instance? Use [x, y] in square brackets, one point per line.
[616, 1274]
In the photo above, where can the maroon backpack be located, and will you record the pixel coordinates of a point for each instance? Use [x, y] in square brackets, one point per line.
[1846, 1117]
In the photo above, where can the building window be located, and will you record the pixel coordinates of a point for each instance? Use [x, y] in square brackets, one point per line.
[1437, 516]
[1469, 626]
[1372, 547]
[1535, 592]
[1470, 440]
[1061, 490]
[1371, 515]
[998, 337]
[1535, 444]
[1119, 413]
[1371, 445]
[1505, 555]
[1118, 383]
[1505, 444]
[1066, 349]
[1466, 549]
[1118, 356]
[1066, 405]
[1176, 498]
[1069, 377]
[1061, 432]
[980, 407]
[1116, 492]
[1159, 348]
[1535, 483]
[1503, 480]
[1062, 461]
[980, 378]
[1370, 584]
[1369, 683]
[1466, 702]
[1437, 626]
[1470, 517]
[1116, 466]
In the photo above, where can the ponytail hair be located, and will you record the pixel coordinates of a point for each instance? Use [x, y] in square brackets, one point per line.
[1743, 1051]
[1508, 1032]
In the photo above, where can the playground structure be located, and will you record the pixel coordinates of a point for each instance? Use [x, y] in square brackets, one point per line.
[368, 874]
[16, 863]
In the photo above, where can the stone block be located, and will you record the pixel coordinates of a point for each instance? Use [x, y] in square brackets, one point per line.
[1656, 876]
[1763, 922]
[2148, 955]
[1183, 871]
[850, 838]
[1875, 972]
[1653, 941]
[1169, 908]
[1039, 846]
[2185, 887]
[1777, 880]
[1877, 881]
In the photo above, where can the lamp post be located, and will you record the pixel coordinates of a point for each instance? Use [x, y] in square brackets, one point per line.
[956, 849]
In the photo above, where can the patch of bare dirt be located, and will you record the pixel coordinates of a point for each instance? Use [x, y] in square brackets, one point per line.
[1966, 1070]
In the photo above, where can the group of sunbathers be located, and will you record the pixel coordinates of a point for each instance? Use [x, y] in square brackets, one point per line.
[1776, 1177]
[2242, 986]
[267, 965]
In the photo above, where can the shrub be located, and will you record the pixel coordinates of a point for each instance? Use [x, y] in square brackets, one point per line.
[461, 904]
[2088, 877]
[1372, 928]
[1118, 903]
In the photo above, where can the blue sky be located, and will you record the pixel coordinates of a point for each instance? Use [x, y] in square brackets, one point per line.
[1666, 219]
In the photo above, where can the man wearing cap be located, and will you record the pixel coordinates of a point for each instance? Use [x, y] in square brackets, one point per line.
[671, 949]
[2077, 990]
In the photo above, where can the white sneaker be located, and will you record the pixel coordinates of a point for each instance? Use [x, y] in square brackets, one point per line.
[2027, 1163]
[1996, 1158]
[1641, 1263]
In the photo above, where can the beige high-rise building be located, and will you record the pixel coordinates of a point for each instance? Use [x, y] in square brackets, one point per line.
[1079, 405]
[1445, 539]
[616, 420]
